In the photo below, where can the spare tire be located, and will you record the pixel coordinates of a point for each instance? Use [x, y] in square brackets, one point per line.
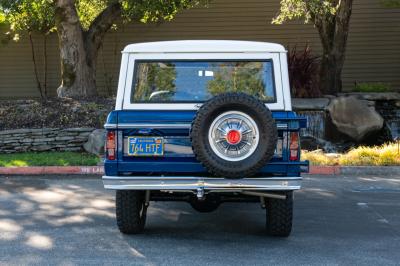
[233, 135]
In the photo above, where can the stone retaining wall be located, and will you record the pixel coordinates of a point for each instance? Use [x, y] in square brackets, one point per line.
[386, 104]
[43, 139]
[321, 104]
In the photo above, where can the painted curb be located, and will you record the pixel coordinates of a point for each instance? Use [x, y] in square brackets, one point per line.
[48, 170]
[354, 170]
[324, 170]
[99, 170]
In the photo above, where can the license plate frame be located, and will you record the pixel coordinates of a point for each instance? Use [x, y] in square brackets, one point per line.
[145, 151]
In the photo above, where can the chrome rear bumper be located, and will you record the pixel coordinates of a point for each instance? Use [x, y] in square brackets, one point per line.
[191, 183]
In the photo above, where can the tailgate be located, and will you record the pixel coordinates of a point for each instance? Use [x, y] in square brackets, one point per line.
[174, 128]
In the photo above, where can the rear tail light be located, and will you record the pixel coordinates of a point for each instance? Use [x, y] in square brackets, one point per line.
[279, 148]
[294, 146]
[110, 145]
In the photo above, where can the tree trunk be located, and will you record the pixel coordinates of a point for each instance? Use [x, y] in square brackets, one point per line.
[79, 48]
[78, 76]
[333, 33]
[331, 73]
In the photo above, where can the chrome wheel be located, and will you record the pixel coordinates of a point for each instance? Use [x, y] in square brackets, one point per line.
[233, 136]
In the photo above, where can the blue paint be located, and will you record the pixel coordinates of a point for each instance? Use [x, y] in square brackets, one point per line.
[186, 116]
[180, 162]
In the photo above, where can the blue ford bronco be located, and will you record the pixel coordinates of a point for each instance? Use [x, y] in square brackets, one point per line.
[204, 122]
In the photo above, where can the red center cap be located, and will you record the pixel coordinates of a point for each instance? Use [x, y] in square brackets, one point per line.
[233, 137]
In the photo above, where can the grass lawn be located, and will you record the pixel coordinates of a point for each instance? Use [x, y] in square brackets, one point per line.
[385, 155]
[48, 159]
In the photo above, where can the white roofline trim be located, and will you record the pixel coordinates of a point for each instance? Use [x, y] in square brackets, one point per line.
[205, 46]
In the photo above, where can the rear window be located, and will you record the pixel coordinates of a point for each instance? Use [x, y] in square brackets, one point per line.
[197, 81]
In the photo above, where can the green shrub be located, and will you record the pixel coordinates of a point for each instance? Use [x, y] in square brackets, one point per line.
[372, 87]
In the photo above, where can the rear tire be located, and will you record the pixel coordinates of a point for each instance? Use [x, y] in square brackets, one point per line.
[279, 214]
[130, 211]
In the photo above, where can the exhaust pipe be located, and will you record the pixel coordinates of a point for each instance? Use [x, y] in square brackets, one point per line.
[265, 195]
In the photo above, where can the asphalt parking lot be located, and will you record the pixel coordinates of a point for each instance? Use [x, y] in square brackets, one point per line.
[345, 220]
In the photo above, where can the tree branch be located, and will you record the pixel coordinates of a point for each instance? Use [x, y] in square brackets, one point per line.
[100, 26]
[319, 22]
[39, 85]
[342, 19]
[341, 30]
[65, 13]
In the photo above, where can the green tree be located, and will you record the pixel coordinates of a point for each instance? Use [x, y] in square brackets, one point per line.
[2, 17]
[81, 26]
[3, 24]
[30, 17]
[332, 20]
[79, 46]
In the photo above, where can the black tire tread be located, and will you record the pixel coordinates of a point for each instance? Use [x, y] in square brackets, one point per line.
[279, 216]
[129, 205]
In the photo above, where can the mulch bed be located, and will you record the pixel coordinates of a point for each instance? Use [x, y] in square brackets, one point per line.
[54, 113]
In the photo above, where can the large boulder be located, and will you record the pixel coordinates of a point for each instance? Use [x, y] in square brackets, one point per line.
[96, 141]
[354, 118]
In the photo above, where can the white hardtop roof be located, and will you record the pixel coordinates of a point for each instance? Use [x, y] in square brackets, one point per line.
[204, 46]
